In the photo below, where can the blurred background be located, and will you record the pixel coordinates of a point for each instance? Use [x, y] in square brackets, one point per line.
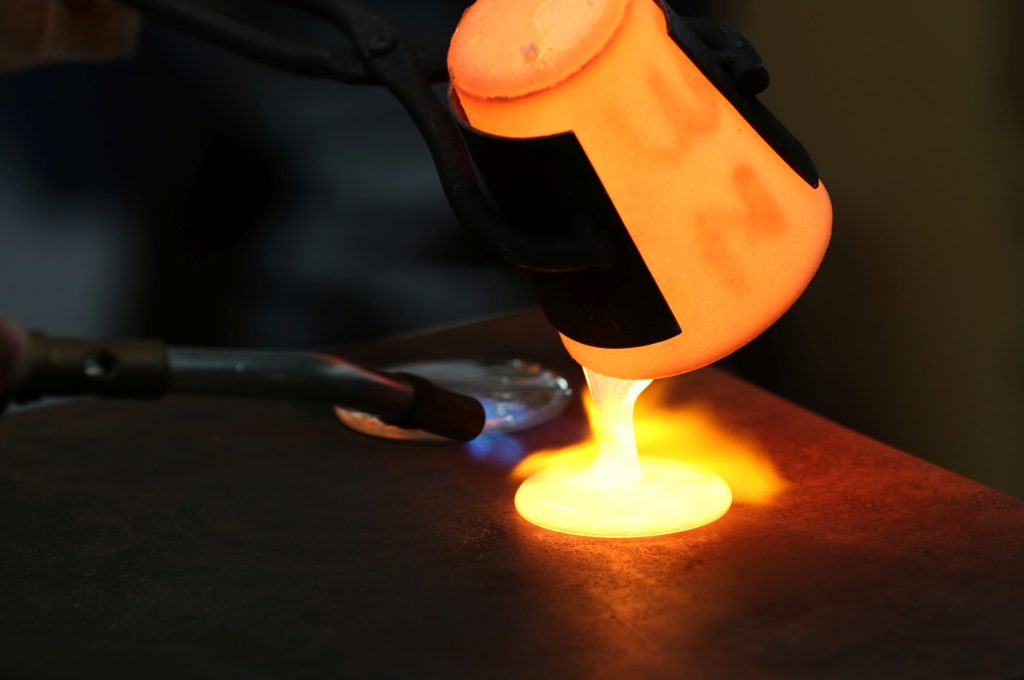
[190, 195]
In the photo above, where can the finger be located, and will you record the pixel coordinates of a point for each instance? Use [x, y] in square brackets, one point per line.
[39, 31]
[14, 355]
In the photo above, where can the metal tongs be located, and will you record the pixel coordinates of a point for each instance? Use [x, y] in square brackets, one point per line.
[378, 56]
[150, 369]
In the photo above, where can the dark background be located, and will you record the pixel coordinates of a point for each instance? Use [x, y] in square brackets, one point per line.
[190, 195]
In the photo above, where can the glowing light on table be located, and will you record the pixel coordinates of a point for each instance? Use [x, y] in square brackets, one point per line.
[620, 495]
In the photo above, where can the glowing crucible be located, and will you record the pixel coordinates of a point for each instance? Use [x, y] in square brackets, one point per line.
[722, 204]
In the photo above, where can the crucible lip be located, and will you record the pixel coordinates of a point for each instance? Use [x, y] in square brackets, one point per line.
[506, 49]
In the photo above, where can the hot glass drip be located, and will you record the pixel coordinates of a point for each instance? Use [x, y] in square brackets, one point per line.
[620, 494]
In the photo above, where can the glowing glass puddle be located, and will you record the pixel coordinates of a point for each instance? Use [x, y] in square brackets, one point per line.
[621, 495]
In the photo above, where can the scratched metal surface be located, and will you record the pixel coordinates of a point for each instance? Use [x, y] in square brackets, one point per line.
[207, 538]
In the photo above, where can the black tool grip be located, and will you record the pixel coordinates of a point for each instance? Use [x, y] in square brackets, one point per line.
[442, 412]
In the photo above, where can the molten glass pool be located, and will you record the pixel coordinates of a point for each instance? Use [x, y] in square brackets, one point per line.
[621, 495]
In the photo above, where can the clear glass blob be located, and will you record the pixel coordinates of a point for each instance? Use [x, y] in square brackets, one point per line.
[516, 394]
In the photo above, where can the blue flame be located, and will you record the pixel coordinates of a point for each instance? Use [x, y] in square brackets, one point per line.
[501, 450]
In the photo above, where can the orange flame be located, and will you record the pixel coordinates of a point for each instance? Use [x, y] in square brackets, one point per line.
[688, 433]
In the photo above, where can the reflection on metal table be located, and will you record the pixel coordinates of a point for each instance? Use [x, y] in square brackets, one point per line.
[206, 537]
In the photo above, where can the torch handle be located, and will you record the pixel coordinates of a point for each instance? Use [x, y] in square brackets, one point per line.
[110, 368]
[149, 369]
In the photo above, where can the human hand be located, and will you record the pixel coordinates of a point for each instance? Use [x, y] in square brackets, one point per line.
[39, 31]
[14, 357]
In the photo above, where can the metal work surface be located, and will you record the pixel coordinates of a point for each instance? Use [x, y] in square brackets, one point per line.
[201, 537]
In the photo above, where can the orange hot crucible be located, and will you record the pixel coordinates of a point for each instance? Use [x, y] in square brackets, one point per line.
[729, 226]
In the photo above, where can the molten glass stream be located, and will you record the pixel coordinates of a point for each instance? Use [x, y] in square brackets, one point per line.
[621, 495]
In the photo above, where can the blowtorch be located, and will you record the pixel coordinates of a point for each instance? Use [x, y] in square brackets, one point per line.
[150, 369]
[666, 217]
